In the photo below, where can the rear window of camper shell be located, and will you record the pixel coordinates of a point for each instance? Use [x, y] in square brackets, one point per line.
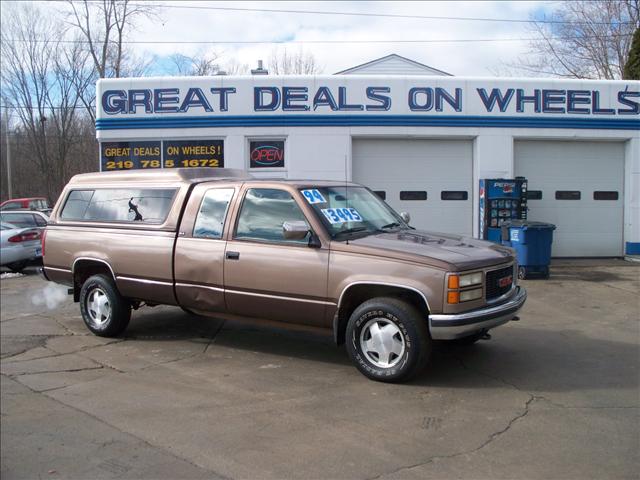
[143, 205]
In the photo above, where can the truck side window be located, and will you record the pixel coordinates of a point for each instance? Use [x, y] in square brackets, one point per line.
[212, 213]
[264, 210]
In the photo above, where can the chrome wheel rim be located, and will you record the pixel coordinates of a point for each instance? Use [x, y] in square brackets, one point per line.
[98, 308]
[382, 343]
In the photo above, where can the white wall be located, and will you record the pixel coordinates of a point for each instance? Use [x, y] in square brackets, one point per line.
[600, 110]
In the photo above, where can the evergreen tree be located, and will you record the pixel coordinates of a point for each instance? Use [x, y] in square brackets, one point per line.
[632, 67]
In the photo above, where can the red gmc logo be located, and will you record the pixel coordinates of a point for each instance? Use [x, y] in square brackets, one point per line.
[505, 281]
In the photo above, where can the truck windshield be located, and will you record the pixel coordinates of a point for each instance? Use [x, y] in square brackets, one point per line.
[350, 210]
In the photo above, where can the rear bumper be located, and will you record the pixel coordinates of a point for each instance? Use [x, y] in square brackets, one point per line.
[16, 253]
[449, 327]
[43, 274]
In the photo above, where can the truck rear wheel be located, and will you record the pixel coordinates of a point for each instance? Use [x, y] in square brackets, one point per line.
[388, 340]
[104, 311]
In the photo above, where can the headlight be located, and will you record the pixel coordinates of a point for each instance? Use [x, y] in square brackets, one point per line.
[470, 279]
[470, 294]
[455, 282]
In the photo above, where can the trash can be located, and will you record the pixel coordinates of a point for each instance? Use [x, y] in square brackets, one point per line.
[532, 243]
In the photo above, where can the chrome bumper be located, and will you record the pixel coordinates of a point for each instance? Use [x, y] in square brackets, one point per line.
[449, 327]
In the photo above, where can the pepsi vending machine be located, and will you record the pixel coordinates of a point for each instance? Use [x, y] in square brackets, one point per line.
[501, 200]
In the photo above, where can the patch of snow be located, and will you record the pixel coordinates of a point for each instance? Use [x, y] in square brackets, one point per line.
[10, 275]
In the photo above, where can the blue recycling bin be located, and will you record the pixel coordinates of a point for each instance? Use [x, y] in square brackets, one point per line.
[532, 243]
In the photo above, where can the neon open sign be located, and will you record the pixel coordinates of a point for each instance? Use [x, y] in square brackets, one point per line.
[266, 154]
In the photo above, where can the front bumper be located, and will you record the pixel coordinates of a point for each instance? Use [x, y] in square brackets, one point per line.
[449, 327]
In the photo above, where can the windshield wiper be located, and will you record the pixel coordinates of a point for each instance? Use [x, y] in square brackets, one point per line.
[390, 225]
[351, 230]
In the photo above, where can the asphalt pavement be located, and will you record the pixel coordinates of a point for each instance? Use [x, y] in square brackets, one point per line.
[555, 395]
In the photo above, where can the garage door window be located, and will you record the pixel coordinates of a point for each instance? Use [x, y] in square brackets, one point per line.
[601, 195]
[413, 195]
[454, 195]
[534, 195]
[567, 195]
[381, 194]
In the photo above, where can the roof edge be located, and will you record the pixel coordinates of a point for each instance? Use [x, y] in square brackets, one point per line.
[372, 62]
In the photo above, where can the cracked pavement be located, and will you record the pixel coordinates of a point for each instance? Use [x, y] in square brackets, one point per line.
[555, 395]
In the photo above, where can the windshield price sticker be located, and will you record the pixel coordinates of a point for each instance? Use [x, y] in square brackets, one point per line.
[341, 215]
[313, 196]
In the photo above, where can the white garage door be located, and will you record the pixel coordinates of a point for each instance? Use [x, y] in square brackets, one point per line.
[581, 190]
[429, 179]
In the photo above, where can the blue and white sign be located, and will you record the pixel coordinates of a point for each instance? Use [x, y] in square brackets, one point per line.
[341, 215]
[154, 103]
[313, 196]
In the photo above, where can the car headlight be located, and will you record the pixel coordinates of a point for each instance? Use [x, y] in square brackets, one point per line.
[461, 281]
[456, 281]
[467, 295]
[470, 279]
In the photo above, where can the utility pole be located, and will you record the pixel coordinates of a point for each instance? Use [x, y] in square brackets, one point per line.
[9, 191]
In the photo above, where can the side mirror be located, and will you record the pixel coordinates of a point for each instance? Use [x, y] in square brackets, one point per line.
[296, 230]
[405, 217]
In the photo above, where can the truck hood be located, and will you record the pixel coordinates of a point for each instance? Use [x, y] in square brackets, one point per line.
[438, 249]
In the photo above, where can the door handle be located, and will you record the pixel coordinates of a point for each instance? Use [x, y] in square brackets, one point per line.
[233, 255]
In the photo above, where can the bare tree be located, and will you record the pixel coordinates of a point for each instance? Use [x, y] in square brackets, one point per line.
[298, 63]
[200, 64]
[39, 81]
[583, 39]
[102, 27]
[233, 67]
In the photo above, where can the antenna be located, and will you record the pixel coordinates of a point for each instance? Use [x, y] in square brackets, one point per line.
[346, 187]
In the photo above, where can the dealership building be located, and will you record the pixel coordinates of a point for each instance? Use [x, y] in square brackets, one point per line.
[421, 138]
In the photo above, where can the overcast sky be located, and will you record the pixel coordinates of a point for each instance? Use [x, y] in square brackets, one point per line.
[178, 23]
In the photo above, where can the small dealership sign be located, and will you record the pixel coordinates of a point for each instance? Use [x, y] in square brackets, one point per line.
[266, 154]
[129, 155]
[161, 154]
[193, 153]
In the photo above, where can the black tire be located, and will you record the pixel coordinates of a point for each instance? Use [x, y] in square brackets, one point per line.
[522, 273]
[17, 267]
[111, 323]
[411, 326]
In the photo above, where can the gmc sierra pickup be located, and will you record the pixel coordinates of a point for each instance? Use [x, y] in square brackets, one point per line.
[325, 255]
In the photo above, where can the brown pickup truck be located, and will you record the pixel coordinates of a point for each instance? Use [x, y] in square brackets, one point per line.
[328, 256]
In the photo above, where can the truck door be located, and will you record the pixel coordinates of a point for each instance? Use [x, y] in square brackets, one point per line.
[200, 247]
[266, 275]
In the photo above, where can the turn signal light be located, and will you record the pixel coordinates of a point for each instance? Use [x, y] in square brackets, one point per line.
[453, 297]
[454, 282]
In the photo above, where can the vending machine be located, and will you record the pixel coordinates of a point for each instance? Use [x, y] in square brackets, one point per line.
[501, 200]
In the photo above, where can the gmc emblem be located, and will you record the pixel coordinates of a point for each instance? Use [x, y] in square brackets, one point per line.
[505, 281]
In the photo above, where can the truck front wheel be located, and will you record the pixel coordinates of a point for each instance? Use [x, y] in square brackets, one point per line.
[388, 340]
[104, 311]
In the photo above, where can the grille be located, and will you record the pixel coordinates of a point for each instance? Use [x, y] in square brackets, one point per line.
[494, 289]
